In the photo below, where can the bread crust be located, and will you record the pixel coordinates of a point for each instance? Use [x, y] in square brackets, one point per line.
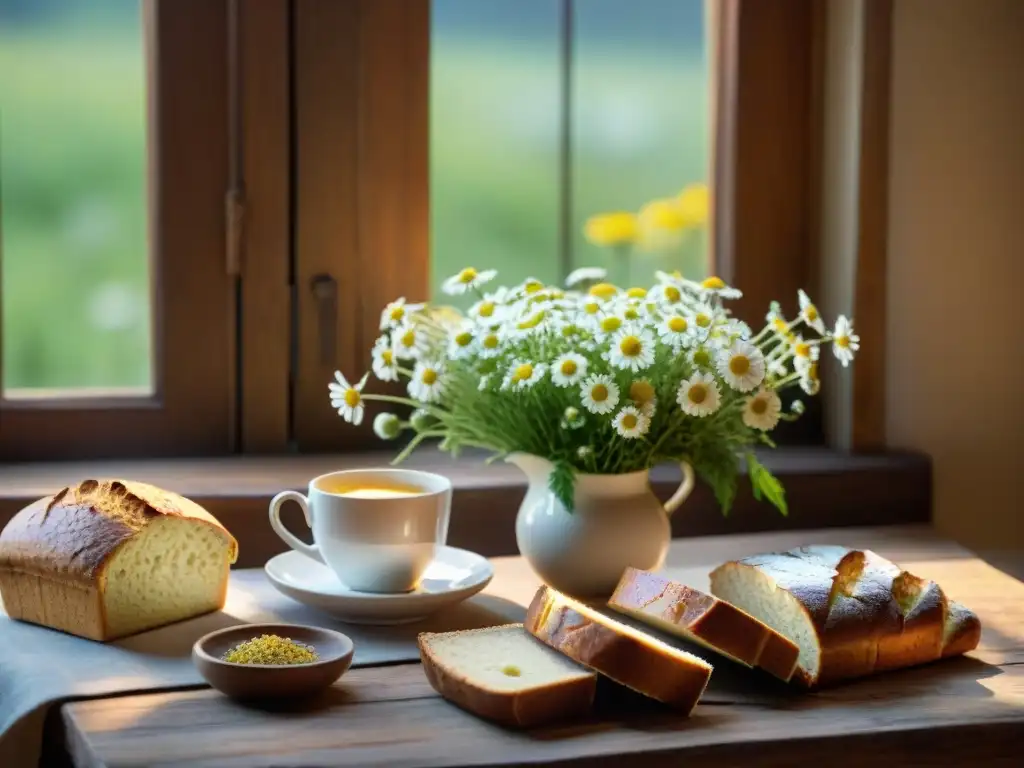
[598, 643]
[65, 542]
[719, 624]
[869, 615]
[537, 706]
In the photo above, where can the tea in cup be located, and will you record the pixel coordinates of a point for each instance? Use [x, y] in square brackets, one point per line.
[377, 529]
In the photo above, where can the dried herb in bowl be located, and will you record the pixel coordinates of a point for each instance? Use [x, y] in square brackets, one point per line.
[271, 649]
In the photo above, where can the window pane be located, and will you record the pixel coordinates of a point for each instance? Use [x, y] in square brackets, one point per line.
[73, 225]
[640, 128]
[494, 138]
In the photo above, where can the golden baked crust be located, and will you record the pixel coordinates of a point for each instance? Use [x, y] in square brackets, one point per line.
[868, 614]
[695, 615]
[643, 664]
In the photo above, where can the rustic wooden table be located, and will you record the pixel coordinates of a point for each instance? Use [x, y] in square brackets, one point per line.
[965, 711]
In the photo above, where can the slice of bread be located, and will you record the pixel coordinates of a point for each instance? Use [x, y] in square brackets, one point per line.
[700, 618]
[627, 655]
[503, 674]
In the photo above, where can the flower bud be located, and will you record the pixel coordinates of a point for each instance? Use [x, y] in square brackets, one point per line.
[387, 426]
[422, 420]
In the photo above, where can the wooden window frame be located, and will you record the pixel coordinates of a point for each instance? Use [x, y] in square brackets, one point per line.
[190, 412]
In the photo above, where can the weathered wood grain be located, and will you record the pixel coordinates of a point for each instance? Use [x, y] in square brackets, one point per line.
[968, 710]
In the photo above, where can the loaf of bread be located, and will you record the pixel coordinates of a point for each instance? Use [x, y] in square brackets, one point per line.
[108, 558]
[851, 612]
[505, 675]
[626, 655]
[693, 615]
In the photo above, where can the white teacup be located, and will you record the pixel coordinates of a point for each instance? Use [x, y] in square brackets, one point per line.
[377, 529]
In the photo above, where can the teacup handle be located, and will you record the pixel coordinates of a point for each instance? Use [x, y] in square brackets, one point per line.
[287, 536]
[684, 489]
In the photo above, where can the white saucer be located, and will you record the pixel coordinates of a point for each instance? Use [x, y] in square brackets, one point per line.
[454, 575]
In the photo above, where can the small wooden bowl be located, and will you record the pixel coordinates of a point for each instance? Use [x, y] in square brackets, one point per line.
[265, 682]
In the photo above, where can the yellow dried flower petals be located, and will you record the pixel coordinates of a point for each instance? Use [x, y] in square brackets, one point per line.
[271, 649]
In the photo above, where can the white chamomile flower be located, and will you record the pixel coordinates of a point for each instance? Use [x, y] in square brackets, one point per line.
[585, 274]
[599, 394]
[460, 343]
[572, 418]
[533, 323]
[742, 366]
[737, 329]
[777, 367]
[606, 326]
[385, 364]
[569, 369]
[396, 312]
[761, 410]
[631, 423]
[633, 311]
[809, 381]
[490, 343]
[387, 426]
[523, 374]
[844, 341]
[642, 393]
[673, 278]
[701, 357]
[570, 330]
[715, 286]
[804, 353]
[698, 395]
[702, 320]
[668, 294]
[409, 341]
[632, 349]
[809, 313]
[488, 310]
[468, 279]
[675, 331]
[427, 381]
[348, 399]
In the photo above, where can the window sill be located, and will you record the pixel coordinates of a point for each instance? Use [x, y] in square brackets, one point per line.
[824, 489]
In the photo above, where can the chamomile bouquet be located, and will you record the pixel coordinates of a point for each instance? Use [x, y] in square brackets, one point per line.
[598, 378]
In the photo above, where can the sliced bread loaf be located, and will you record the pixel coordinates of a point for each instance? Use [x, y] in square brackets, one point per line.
[624, 654]
[505, 675]
[703, 619]
[851, 612]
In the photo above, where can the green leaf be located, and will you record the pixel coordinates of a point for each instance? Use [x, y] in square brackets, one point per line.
[764, 483]
[718, 469]
[562, 483]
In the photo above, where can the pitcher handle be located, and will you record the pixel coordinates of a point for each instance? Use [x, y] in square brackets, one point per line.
[684, 489]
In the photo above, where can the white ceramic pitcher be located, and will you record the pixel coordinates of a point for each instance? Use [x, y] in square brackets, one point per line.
[617, 522]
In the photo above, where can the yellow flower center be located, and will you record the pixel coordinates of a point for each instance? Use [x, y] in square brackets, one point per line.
[591, 307]
[812, 372]
[568, 367]
[568, 331]
[532, 322]
[701, 357]
[713, 283]
[486, 309]
[532, 286]
[464, 338]
[759, 405]
[408, 338]
[641, 392]
[631, 346]
[603, 290]
[599, 393]
[780, 325]
[610, 324]
[802, 349]
[703, 320]
[429, 376]
[631, 313]
[697, 394]
[352, 398]
[490, 341]
[387, 356]
[397, 313]
[811, 313]
[739, 365]
[523, 372]
[672, 293]
[843, 341]
[637, 293]
[677, 324]
[629, 421]
[468, 275]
